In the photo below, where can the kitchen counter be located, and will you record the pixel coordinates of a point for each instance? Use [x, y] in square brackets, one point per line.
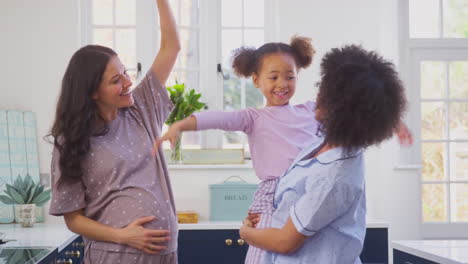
[440, 251]
[41, 235]
[212, 225]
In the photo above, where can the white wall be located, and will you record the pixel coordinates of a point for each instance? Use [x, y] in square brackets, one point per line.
[39, 37]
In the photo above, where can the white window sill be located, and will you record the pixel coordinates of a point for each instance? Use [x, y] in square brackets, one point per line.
[247, 165]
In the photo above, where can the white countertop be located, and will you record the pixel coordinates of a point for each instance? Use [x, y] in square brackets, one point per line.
[211, 225]
[41, 235]
[440, 251]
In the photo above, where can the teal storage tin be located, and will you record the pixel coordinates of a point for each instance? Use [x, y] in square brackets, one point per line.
[230, 200]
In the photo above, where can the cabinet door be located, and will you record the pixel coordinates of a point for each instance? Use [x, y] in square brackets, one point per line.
[375, 249]
[400, 257]
[210, 247]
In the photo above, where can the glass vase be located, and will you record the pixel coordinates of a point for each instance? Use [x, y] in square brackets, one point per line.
[176, 154]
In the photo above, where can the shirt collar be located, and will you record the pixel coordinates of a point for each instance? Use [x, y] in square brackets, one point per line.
[326, 157]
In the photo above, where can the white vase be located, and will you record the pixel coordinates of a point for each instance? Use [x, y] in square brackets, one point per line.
[25, 214]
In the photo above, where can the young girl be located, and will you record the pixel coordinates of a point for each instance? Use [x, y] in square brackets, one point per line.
[277, 132]
[319, 202]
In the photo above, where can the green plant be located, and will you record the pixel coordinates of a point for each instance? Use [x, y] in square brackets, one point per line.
[25, 192]
[185, 103]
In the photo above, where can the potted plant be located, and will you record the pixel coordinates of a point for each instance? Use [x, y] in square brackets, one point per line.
[25, 195]
[185, 103]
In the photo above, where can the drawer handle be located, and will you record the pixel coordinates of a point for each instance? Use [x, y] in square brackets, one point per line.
[73, 253]
[228, 242]
[63, 261]
[240, 242]
[407, 262]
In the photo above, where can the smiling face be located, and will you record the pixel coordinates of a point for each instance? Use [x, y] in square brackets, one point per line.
[276, 78]
[114, 91]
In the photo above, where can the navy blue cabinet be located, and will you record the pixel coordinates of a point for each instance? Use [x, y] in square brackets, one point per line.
[225, 246]
[71, 254]
[400, 257]
[211, 246]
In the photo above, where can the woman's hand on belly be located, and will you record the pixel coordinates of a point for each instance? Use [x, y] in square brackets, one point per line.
[148, 240]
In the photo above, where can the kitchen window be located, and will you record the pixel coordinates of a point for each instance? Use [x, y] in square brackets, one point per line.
[435, 60]
[209, 31]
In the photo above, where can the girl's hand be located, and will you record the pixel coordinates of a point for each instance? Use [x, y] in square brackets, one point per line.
[253, 218]
[172, 135]
[147, 240]
[404, 134]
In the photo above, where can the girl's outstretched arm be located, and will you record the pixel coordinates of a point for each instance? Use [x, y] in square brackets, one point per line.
[170, 43]
[174, 131]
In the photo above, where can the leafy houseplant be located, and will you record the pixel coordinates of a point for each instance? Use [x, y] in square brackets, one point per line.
[185, 103]
[25, 194]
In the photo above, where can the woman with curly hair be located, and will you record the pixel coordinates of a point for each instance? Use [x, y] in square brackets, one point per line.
[106, 182]
[319, 202]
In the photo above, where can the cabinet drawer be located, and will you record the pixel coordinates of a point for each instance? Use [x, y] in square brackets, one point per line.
[400, 257]
[210, 246]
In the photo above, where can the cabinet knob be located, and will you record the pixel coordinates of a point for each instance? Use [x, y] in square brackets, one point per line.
[228, 242]
[78, 244]
[240, 242]
[64, 261]
[73, 253]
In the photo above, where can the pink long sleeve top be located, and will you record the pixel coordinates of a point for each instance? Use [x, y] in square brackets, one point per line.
[275, 134]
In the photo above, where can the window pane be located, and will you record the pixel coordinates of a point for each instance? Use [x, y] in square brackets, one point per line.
[232, 139]
[458, 79]
[231, 40]
[231, 13]
[190, 46]
[459, 120]
[232, 92]
[455, 18]
[253, 96]
[424, 18]
[434, 202]
[459, 161]
[254, 38]
[254, 13]
[125, 12]
[433, 120]
[175, 9]
[189, 13]
[103, 36]
[174, 78]
[192, 81]
[433, 81]
[191, 140]
[102, 12]
[125, 46]
[434, 159]
[459, 202]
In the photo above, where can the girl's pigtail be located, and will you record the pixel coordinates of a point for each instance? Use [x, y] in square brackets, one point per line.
[243, 61]
[303, 49]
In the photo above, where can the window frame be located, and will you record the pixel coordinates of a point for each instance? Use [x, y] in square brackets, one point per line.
[211, 82]
[412, 52]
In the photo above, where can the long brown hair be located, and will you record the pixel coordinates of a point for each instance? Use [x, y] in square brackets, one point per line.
[76, 111]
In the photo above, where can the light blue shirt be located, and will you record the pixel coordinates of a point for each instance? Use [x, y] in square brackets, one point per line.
[325, 198]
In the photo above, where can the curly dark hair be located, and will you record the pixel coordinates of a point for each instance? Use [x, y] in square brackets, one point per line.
[76, 113]
[247, 60]
[361, 99]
